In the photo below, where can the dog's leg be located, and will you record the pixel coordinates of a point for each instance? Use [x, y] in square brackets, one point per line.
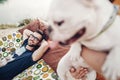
[77, 60]
[75, 51]
[111, 67]
[70, 59]
[65, 63]
[73, 59]
[63, 68]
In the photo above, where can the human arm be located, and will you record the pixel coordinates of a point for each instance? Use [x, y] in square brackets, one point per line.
[93, 58]
[26, 33]
[40, 51]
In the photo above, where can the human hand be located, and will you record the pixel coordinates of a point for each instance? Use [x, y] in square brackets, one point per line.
[52, 44]
[79, 73]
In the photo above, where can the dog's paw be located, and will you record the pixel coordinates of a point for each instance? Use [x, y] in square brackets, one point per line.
[111, 67]
[75, 56]
[75, 51]
[110, 71]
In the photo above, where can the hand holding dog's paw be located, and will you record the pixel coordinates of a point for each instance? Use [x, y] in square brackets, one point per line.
[110, 71]
[111, 67]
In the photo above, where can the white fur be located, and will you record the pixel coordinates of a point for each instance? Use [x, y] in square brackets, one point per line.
[93, 15]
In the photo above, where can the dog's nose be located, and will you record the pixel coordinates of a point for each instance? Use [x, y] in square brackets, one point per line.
[50, 29]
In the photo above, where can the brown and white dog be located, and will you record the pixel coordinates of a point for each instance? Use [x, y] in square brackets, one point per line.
[92, 23]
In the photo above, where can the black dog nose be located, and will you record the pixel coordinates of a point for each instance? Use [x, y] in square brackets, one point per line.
[50, 29]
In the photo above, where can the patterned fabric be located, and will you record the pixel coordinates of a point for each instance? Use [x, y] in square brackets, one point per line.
[39, 71]
[9, 44]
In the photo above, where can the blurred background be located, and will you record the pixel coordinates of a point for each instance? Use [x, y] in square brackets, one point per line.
[17, 13]
[13, 11]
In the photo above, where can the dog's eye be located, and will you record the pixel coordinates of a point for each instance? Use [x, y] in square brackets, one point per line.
[59, 23]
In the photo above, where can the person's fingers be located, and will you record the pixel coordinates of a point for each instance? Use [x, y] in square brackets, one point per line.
[82, 73]
[52, 44]
[79, 72]
[74, 72]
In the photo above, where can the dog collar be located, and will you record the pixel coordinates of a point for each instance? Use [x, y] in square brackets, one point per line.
[110, 21]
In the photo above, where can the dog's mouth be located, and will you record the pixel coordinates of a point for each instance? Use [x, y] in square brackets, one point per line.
[75, 37]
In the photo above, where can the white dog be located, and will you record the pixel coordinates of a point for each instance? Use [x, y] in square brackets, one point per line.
[92, 23]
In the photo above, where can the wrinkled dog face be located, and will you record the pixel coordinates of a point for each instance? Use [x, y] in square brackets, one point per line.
[71, 20]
